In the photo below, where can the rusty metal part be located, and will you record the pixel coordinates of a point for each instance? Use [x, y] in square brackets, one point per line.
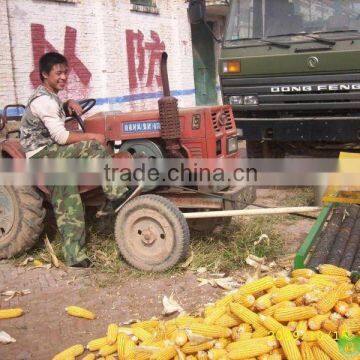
[337, 250]
[136, 192]
[327, 238]
[352, 245]
[169, 115]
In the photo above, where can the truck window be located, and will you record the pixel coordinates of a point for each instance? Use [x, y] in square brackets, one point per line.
[250, 19]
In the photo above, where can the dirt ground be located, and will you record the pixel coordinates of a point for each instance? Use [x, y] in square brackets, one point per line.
[46, 329]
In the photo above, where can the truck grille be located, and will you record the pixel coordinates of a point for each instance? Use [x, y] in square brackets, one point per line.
[297, 93]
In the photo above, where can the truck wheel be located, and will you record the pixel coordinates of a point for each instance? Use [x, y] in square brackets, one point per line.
[152, 233]
[209, 225]
[21, 219]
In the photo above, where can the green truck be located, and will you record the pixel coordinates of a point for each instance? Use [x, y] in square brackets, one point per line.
[291, 71]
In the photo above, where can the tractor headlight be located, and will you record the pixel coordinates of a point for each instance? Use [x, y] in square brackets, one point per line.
[236, 100]
[251, 100]
[232, 144]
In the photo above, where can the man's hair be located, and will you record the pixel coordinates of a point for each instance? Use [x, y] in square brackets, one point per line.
[48, 60]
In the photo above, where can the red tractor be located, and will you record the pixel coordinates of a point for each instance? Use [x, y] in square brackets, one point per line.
[151, 231]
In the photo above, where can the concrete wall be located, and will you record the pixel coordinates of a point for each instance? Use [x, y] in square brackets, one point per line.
[113, 51]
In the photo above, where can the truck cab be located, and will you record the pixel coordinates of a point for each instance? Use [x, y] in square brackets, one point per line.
[291, 72]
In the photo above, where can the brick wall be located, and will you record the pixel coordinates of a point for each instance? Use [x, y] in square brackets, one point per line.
[113, 51]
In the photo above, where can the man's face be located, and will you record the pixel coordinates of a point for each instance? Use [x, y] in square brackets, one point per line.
[57, 77]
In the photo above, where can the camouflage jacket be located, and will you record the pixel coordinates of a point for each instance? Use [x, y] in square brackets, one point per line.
[33, 132]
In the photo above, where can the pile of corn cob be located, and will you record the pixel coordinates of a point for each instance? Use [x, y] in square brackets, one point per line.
[273, 318]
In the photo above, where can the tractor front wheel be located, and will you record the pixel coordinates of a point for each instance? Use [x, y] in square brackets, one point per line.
[21, 219]
[152, 233]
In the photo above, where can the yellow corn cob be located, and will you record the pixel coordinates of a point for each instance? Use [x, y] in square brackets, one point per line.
[211, 331]
[270, 339]
[306, 273]
[96, 344]
[142, 356]
[221, 343]
[349, 326]
[332, 278]
[147, 324]
[185, 320]
[315, 322]
[328, 269]
[216, 314]
[227, 321]
[293, 314]
[320, 282]
[353, 311]
[329, 299]
[209, 309]
[225, 300]
[180, 337]
[301, 327]
[282, 281]
[310, 335]
[112, 333]
[89, 357]
[70, 352]
[251, 349]
[330, 325]
[10, 313]
[291, 325]
[80, 312]
[245, 314]
[216, 354]
[194, 348]
[270, 311]
[260, 331]
[238, 335]
[246, 300]
[121, 346]
[202, 355]
[130, 349]
[313, 296]
[319, 354]
[306, 352]
[329, 346]
[167, 353]
[191, 357]
[341, 307]
[299, 280]
[110, 357]
[258, 285]
[125, 330]
[142, 334]
[270, 323]
[274, 357]
[289, 292]
[288, 344]
[263, 302]
[108, 350]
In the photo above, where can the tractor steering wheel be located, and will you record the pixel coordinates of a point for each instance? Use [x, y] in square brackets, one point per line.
[86, 105]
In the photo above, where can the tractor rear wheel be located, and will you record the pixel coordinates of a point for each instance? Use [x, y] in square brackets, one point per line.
[21, 219]
[152, 233]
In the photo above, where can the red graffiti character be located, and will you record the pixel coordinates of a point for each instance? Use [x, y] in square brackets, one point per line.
[137, 52]
[79, 77]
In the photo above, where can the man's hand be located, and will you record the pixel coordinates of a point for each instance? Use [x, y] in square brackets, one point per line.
[74, 108]
[98, 137]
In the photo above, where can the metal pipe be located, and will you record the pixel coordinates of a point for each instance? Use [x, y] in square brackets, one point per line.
[164, 74]
[250, 212]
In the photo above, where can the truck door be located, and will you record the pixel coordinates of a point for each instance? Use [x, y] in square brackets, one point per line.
[204, 65]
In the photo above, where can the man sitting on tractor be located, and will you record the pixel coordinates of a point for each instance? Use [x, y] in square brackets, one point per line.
[43, 135]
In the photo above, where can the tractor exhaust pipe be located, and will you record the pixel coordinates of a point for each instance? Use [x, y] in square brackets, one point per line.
[169, 115]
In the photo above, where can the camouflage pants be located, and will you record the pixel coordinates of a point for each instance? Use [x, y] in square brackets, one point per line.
[66, 200]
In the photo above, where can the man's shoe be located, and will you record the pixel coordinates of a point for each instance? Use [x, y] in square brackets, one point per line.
[86, 263]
